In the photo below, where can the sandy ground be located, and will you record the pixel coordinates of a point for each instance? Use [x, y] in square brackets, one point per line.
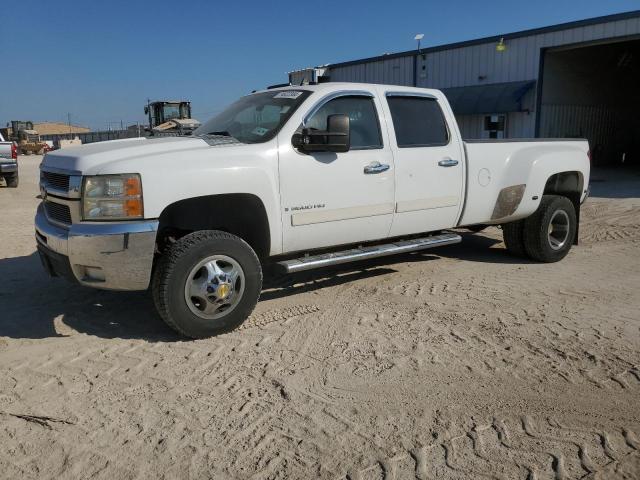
[458, 363]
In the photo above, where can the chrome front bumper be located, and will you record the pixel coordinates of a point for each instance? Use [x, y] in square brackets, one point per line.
[112, 256]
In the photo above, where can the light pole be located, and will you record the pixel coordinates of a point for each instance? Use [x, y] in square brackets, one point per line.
[418, 37]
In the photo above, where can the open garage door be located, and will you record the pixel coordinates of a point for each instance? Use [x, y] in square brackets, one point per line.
[593, 92]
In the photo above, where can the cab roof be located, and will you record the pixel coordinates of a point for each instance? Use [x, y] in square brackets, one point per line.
[335, 86]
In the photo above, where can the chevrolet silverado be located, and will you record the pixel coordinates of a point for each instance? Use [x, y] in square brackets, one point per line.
[300, 178]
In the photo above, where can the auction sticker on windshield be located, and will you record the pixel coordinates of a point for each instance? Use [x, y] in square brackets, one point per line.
[259, 131]
[288, 94]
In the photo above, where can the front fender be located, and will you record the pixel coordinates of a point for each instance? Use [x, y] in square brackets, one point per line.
[247, 169]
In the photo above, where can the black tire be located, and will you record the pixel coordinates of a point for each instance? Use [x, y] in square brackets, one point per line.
[174, 267]
[12, 180]
[513, 234]
[538, 237]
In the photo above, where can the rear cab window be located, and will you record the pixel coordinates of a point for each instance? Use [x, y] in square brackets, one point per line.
[418, 121]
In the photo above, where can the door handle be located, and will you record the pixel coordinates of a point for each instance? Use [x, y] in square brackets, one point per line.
[376, 167]
[448, 162]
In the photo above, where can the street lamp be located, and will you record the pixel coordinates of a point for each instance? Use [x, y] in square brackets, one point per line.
[419, 37]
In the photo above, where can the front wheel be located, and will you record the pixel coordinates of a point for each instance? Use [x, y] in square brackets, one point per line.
[207, 283]
[550, 231]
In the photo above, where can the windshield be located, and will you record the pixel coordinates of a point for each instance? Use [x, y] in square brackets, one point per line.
[171, 111]
[255, 118]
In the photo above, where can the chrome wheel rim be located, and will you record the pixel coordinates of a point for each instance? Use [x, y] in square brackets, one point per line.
[558, 233]
[214, 287]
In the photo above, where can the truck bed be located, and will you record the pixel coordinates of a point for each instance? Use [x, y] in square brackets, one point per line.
[496, 169]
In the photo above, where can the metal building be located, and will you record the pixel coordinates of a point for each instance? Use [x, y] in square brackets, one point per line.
[577, 79]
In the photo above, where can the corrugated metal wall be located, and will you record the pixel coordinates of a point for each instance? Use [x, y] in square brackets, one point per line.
[519, 125]
[604, 126]
[459, 67]
[482, 64]
[395, 71]
[596, 122]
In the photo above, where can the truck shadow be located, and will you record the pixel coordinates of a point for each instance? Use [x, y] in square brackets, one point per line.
[281, 285]
[479, 247]
[34, 306]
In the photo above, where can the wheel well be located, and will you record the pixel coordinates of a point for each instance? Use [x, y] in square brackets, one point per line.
[241, 214]
[570, 185]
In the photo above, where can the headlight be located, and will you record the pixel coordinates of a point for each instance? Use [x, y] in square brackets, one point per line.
[112, 197]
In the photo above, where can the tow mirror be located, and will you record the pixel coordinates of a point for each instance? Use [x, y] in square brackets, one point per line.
[335, 138]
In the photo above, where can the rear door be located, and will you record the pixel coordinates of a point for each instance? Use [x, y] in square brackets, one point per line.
[338, 198]
[429, 163]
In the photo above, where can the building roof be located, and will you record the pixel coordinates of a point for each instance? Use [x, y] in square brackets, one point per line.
[489, 98]
[55, 128]
[495, 38]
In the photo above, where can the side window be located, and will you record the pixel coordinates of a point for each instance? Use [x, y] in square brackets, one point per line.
[363, 120]
[418, 121]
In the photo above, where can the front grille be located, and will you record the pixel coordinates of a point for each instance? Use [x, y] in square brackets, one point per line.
[57, 181]
[58, 212]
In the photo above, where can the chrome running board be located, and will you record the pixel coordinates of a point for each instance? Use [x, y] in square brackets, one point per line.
[365, 253]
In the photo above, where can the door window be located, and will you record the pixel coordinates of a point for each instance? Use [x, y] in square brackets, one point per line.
[418, 122]
[364, 127]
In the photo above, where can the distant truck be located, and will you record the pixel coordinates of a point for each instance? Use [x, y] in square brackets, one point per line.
[9, 162]
[298, 178]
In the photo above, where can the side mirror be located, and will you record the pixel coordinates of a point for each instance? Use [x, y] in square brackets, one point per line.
[335, 138]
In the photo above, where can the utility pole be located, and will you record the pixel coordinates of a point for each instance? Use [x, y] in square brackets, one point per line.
[418, 37]
[69, 123]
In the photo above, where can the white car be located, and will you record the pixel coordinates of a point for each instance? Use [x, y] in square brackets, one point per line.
[301, 177]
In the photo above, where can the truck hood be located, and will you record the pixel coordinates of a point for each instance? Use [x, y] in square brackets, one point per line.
[94, 158]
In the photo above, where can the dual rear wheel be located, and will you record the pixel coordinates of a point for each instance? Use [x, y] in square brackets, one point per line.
[545, 236]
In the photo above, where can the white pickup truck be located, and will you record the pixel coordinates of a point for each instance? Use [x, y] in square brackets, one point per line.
[9, 162]
[300, 177]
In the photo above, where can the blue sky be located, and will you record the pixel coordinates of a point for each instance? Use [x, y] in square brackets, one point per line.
[100, 60]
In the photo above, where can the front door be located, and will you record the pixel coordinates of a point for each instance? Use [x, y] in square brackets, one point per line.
[429, 164]
[338, 198]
